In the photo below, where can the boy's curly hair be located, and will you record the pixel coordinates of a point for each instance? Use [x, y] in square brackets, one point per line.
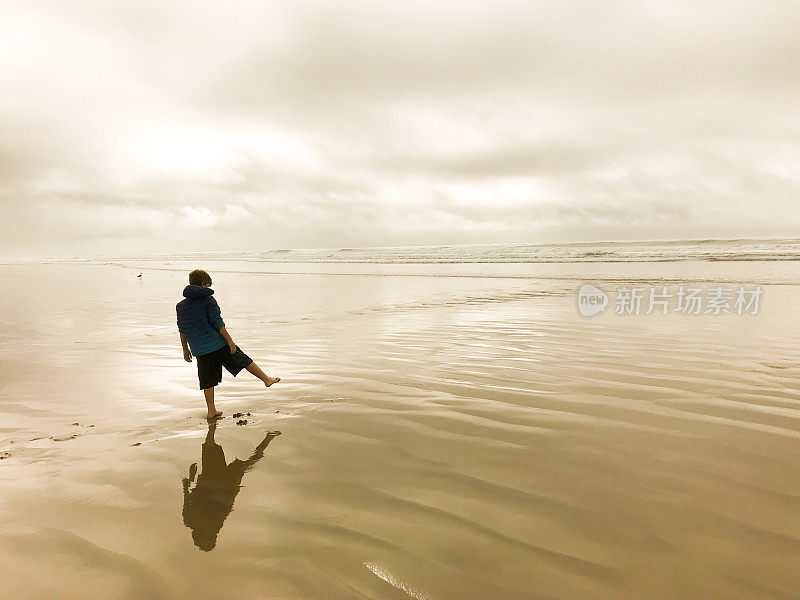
[199, 277]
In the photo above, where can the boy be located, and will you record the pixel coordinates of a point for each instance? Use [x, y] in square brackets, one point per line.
[200, 324]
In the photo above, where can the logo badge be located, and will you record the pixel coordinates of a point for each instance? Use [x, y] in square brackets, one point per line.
[591, 300]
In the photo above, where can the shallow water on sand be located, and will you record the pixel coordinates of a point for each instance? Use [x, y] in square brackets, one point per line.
[442, 437]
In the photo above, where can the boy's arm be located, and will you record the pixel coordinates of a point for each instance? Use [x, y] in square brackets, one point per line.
[187, 355]
[215, 318]
[227, 336]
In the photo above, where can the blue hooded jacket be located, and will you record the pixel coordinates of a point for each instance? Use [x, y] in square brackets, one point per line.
[199, 319]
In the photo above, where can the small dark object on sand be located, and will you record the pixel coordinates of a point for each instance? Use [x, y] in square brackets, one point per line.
[137, 444]
[248, 414]
[139, 275]
[237, 415]
[241, 422]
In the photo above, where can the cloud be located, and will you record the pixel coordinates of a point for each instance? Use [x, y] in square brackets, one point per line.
[351, 123]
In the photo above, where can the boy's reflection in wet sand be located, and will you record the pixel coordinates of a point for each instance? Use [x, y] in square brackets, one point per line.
[207, 505]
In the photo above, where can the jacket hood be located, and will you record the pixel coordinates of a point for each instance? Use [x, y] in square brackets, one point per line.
[195, 292]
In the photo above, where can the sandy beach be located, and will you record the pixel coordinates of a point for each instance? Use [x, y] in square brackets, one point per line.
[445, 434]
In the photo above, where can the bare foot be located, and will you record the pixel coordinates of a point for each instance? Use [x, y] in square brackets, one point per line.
[271, 380]
[215, 415]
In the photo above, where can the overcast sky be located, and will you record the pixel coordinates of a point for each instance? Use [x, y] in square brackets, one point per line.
[147, 126]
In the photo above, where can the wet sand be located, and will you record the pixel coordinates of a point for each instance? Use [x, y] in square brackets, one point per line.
[441, 437]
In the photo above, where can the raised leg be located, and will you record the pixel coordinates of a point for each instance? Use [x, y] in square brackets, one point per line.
[255, 370]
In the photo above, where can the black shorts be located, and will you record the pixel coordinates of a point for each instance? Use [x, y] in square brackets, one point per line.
[209, 366]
